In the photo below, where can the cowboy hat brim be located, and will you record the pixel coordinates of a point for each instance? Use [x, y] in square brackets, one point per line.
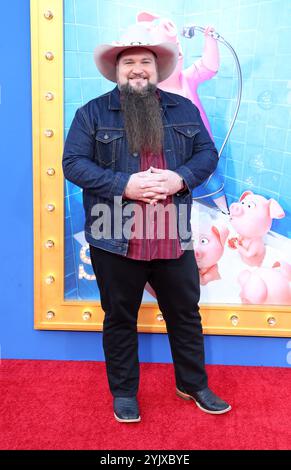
[105, 56]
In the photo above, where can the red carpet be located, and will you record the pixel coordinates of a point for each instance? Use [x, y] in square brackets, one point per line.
[67, 405]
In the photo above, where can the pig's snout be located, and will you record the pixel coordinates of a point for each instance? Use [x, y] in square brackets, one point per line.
[198, 254]
[236, 209]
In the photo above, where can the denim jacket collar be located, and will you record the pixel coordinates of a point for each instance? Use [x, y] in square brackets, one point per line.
[114, 99]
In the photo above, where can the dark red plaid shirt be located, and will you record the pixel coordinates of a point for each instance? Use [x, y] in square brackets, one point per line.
[154, 232]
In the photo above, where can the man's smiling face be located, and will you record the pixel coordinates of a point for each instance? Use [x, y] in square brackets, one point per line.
[137, 67]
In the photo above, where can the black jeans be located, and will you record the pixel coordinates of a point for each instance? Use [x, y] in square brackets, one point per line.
[121, 282]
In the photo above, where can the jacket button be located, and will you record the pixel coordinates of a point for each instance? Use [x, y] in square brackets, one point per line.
[188, 131]
[106, 136]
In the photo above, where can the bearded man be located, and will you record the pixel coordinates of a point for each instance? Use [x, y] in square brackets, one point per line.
[142, 150]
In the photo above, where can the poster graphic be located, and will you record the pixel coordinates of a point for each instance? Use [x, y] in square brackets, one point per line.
[240, 258]
[239, 77]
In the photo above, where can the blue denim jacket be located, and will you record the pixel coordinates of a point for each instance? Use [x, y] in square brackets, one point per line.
[97, 159]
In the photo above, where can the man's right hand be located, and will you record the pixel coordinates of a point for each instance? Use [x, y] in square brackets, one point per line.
[135, 187]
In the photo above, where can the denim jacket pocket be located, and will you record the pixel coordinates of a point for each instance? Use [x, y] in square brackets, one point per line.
[107, 148]
[184, 137]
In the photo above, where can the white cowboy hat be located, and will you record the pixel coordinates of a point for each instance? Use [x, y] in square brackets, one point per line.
[166, 53]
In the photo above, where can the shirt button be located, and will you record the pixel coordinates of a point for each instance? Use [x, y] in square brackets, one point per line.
[106, 136]
[188, 131]
[135, 154]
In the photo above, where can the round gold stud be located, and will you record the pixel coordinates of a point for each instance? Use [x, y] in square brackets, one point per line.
[50, 171]
[49, 244]
[87, 316]
[50, 280]
[50, 207]
[49, 55]
[48, 132]
[49, 96]
[48, 14]
[50, 315]
[272, 321]
[234, 320]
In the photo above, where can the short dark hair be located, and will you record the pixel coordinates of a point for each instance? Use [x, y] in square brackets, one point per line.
[144, 47]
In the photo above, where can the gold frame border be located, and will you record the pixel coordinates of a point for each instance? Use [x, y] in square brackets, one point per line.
[51, 311]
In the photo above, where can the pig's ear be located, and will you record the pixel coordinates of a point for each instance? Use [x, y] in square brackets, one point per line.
[285, 268]
[276, 211]
[277, 264]
[215, 231]
[221, 234]
[224, 232]
[245, 194]
[146, 16]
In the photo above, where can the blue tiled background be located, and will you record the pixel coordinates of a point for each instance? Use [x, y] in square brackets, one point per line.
[258, 153]
[18, 339]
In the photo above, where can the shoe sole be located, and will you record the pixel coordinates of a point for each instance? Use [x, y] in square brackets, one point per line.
[136, 420]
[185, 396]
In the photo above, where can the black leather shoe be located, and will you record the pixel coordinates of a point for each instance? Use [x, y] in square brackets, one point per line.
[206, 400]
[126, 409]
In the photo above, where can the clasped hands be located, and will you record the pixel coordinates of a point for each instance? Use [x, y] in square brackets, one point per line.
[153, 185]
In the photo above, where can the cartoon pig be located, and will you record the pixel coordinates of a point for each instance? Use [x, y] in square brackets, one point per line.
[252, 219]
[186, 81]
[209, 248]
[266, 285]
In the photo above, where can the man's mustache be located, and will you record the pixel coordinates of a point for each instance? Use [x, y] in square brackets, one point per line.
[130, 92]
[138, 75]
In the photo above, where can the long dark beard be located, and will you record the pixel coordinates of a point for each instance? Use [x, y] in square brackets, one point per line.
[142, 118]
